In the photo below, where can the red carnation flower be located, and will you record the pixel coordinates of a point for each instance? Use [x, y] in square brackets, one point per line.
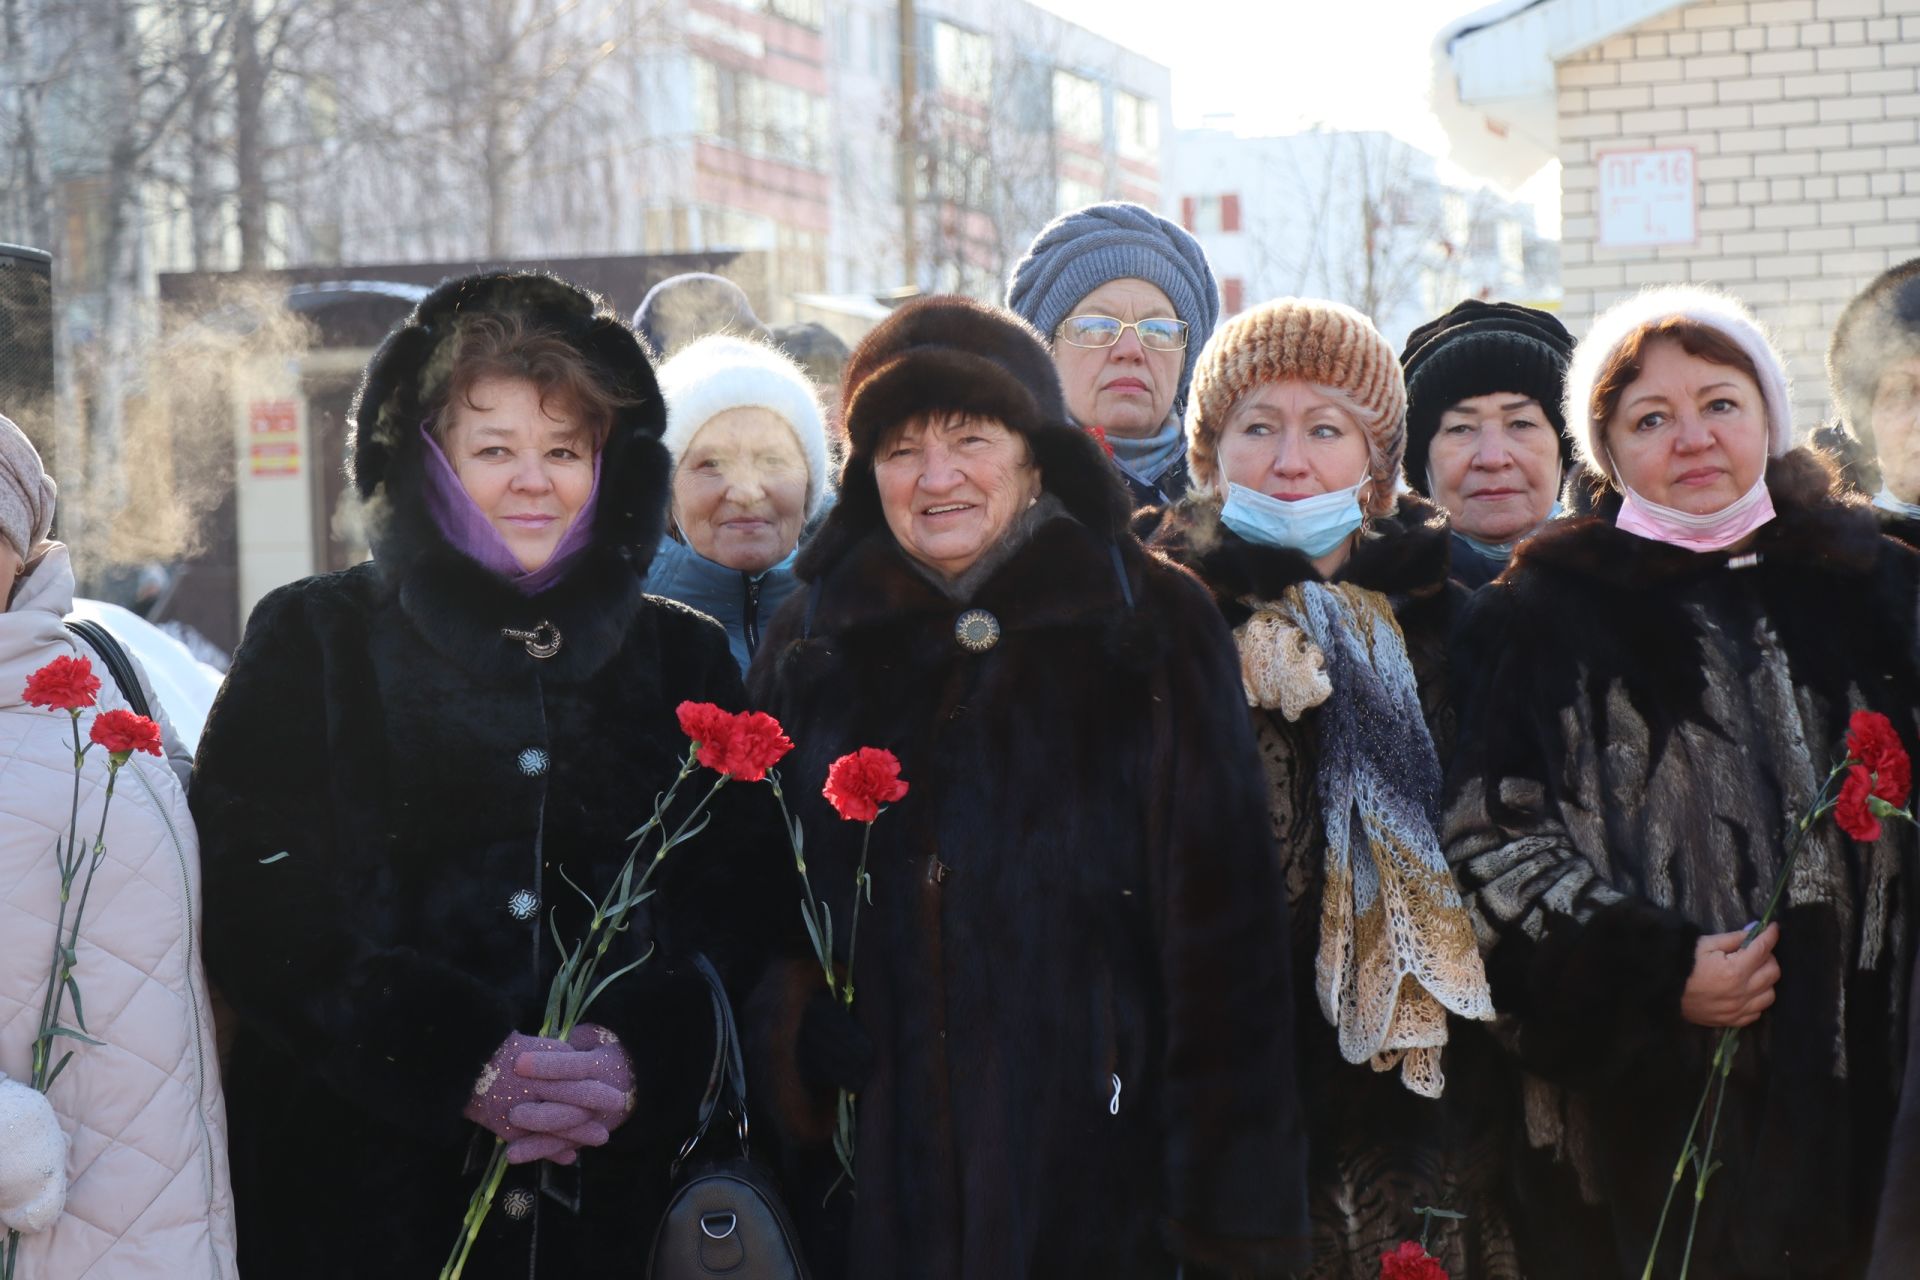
[1872, 741]
[1852, 811]
[65, 684]
[1410, 1262]
[859, 782]
[742, 746]
[122, 733]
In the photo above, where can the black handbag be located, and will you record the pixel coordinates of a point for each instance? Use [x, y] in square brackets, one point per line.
[725, 1218]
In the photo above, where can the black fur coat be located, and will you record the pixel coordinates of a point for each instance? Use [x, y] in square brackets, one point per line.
[1378, 1151]
[1071, 970]
[392, 797]
[1640, 728]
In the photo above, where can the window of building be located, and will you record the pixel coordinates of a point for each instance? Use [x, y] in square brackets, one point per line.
[1233, 294]
[1136, 126]
[962, 62]
[1211, 215]
[1076, 108]
[758, 115]
[1071, 193]
[807, 13]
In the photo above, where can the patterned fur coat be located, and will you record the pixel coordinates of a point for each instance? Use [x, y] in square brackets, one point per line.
[1640, 725]
[1376, 1150]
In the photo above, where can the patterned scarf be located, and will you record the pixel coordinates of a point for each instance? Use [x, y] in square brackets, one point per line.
[1396, 947]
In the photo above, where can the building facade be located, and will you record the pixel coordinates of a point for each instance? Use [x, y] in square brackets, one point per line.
[1769, 146]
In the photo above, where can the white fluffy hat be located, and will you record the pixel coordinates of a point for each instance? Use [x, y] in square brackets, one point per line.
[1710, 308]
[722, 372]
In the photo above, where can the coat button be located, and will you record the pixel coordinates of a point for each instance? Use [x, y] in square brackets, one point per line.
[534, 762]
[524, 904]
[517, 1203]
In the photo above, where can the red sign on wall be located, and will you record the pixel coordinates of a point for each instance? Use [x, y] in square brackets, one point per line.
[273, 438]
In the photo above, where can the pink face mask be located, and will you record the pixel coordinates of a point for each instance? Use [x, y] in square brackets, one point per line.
[1713, 532]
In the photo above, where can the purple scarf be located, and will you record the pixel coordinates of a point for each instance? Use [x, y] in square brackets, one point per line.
[466, 526]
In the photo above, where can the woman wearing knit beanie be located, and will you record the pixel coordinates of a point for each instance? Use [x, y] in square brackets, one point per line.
[1125, 298]
[1485, 439]
[1873, 368]
[1650, 696]
[1336, 586]
[749, 449]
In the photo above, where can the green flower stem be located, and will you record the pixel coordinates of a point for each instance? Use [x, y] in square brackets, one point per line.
[573, 987]
[860, 892]
[811, 906]
[1722, 1067]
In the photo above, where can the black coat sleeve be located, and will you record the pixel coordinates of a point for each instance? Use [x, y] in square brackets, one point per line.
[1236, 1140]
[1590, 974]
[390, 1030]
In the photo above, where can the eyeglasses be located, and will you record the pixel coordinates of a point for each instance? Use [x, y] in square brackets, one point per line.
[1157, 333]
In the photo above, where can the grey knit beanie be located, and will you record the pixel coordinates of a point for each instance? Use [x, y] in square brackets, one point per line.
[1078, 252]
[26, 491]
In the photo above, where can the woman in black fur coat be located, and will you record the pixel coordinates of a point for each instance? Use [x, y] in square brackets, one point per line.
[1071, 971]
[1301, 401]
[1650, 699]
[408, 764]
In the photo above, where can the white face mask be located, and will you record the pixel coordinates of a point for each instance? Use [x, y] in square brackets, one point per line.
[1312, 526]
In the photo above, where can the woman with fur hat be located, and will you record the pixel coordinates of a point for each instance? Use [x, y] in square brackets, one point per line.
[411, 764]
[1126, 299]
[1336, 587]
[1651, 697]
[120, 1169]
[1071, 970]
[749, 450]
[1485, 439]
[1873, 368]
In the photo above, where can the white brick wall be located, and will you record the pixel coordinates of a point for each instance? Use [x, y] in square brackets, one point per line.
[1805, 118]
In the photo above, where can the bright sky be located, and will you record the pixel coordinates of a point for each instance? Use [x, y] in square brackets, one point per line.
[1278, 66]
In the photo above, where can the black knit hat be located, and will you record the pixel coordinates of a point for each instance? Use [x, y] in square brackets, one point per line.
[1476, 349]
[1878, 327]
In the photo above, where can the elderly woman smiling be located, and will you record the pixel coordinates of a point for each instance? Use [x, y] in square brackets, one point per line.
[749, 446]
[1072, 969]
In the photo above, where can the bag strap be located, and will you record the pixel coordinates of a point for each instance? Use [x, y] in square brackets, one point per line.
[119, 665]
[728, 1075]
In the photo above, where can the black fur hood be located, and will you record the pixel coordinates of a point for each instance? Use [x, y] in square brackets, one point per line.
[457, 602]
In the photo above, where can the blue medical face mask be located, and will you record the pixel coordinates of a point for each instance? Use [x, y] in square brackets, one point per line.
[1312, 526]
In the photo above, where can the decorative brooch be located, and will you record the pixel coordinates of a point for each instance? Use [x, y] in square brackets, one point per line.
[542, 642]
[977, 631]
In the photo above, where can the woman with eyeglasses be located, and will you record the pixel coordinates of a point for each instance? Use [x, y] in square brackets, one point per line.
[1125, 299]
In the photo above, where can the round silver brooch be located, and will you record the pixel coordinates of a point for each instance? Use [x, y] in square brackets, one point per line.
[524, 904]
[977, 631]
[541, 642]
[533, 762]
[517, 1203]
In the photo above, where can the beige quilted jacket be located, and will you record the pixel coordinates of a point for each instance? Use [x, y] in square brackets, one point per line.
[150, 1198]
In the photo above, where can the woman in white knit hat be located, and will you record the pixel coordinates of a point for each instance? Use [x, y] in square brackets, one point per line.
[750, 470]
[1336, 584]
[1650, 698]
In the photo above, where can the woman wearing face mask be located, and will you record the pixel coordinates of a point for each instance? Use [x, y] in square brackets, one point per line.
[411, 764]
[1125, 298]
[1651, 697]
[749, 453]
[1336, 587]
[1484, 434]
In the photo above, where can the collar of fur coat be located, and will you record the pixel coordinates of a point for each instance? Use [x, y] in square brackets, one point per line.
[1812, 526]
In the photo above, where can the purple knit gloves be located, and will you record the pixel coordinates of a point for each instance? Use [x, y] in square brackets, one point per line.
[548, 1098]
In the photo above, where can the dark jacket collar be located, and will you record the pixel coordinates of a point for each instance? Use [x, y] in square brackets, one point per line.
[1811, 527]
[1406, 554]
[459, 607]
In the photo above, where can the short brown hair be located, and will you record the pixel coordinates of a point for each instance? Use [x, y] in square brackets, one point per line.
[1627, 360]
[501, 344]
